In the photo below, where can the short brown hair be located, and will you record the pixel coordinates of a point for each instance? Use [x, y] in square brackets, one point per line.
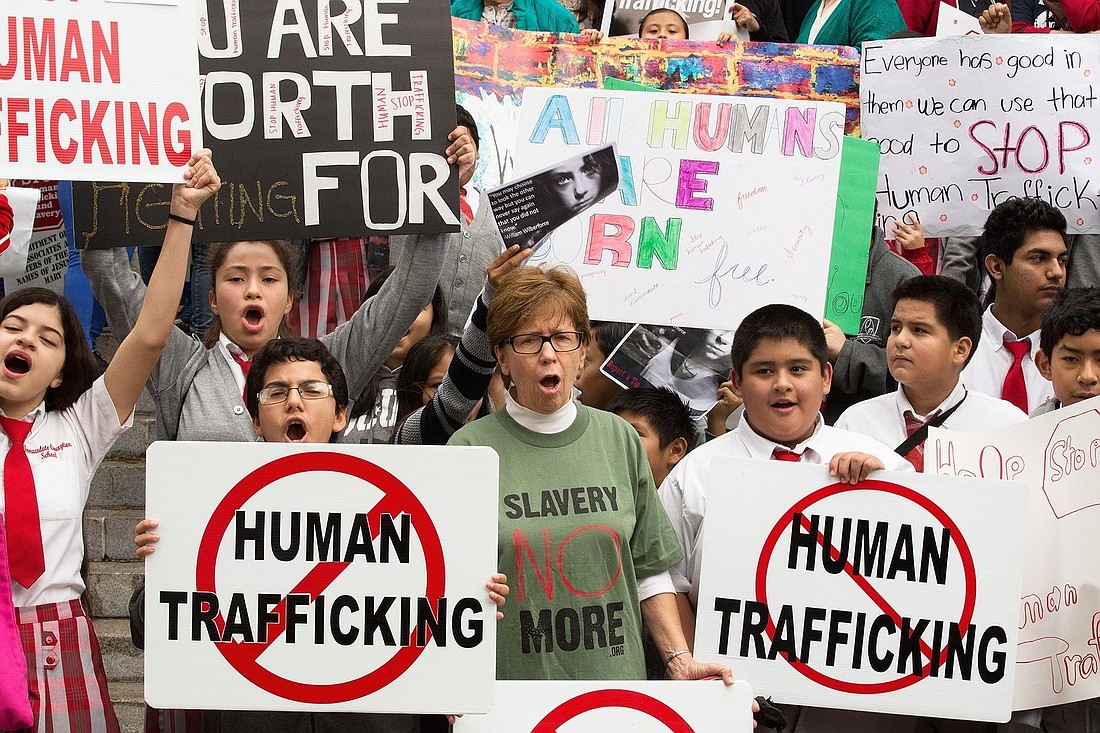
[289, 257]
[529, 291]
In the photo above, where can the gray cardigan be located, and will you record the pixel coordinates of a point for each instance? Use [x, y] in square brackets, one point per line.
[194, 388]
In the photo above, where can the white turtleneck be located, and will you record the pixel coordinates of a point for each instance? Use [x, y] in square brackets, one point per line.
[538, 422]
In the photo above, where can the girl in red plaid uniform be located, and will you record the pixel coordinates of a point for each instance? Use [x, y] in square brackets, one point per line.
[57, 421]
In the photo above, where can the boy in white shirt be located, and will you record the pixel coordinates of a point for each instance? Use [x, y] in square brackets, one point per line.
[1024, 250]
[935, 327]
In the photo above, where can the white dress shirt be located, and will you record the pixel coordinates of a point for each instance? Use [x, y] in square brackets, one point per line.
[883, 417]
[684, 492]
[988, 367]
[64, 448]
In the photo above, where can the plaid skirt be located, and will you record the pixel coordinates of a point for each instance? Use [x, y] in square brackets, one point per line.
[65, 677]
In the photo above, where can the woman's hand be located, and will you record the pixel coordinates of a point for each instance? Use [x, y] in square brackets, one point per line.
[201, 182]
[146, 538]
[590, 36]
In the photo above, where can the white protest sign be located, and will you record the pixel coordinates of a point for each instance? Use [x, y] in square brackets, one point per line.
[23, 203]
[954, 22]
[702, 230]
[968, 122]
[43, 261]
[309, 577]
[597, 707]
[98, 89]
[893, 595]
[1057, 455]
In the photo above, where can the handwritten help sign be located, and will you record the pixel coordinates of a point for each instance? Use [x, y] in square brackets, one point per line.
[1058, 456]
[966, 123]
[725, 203]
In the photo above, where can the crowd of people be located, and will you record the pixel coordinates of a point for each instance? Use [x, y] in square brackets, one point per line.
[458, 341]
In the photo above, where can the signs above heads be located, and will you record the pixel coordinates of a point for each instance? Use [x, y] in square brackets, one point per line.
[1058, 456]
[725, 203]
[90, 92]
[968, 122]
[321, 577]
[623, 17]
[597, 707]
[321, 126]
[898, 594]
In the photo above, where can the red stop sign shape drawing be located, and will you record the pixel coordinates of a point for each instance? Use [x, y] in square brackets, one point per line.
[625, 699]
[970, 577]
[398, 499]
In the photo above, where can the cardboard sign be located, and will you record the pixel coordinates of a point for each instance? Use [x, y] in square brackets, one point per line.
[968, 122]
[90, 92]
[321, 577]
[701, 231]
[321, 126]
[597, 707]
[1058, 456]
[893, 595]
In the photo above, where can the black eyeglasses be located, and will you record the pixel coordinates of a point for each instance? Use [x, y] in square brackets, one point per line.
[314, 389]
[531, 343]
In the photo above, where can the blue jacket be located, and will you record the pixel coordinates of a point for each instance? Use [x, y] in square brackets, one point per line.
[531, 15]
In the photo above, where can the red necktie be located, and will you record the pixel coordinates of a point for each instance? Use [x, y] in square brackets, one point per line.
[21, 506]
[245, 365]
[464, 207]
[786, 455]
[912, 425]
[1015, 389]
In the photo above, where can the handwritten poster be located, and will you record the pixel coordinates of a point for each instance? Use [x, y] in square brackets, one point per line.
[893, 595]
[725, 203]
[322, 124]
[855, 207]
[1058, 456]
[89, 92]
[967, 122]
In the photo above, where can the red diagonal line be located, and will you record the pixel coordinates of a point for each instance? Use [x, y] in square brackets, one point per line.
[866, 586]
[314, 583]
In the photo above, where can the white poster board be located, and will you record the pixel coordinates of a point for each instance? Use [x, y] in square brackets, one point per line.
[1057, 456]
[912, 610]
[725, 203]
[101, 90]
[346, 578]
[967, 122]
[598, 707]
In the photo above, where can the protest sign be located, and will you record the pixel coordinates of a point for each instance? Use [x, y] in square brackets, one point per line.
[967, 122]
[20, 204]
[855, 215]
[494, 65]
[597, 707]
[321, 577]
[895, 595]
[90, 92]
[954, 21]
[622, 17]
[704, 227]
[692, 362]
[321, 126]
[44, 259]
[1057, 456]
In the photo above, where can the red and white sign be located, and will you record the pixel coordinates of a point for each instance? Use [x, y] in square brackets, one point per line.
[17, 219]
[597, 707]
[98, 90]
[898, 594]
[331, 577]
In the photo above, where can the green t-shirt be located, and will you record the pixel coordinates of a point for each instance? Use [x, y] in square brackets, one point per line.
[579, 523]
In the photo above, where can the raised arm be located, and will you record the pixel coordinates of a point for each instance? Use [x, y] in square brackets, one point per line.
[470, 371]
[139, 351]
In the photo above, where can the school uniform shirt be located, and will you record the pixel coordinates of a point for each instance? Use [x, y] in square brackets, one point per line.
[684, 491]
[883, 417]
[64, 448]
[988, 367]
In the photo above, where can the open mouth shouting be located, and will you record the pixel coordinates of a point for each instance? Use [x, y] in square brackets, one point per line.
[253, 318]
[17, 363]
[296, 431]
[550, 384]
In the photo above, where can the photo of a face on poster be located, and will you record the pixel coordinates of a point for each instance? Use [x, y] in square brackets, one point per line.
[528, 210]
[693, 362]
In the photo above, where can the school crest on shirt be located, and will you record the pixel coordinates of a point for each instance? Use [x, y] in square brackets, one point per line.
[868, 330]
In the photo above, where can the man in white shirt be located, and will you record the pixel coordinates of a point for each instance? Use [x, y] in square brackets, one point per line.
[1025, 254]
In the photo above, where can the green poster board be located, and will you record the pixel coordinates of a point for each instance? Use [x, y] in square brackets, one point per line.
[855, 211]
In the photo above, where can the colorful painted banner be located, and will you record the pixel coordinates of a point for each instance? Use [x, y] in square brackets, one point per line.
[897, 594]
[321, 577]
[725, 204]
[494, 65]
[598, 707]
[90, 92]
[1058, 456]
[967, 122]
[321, 126]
